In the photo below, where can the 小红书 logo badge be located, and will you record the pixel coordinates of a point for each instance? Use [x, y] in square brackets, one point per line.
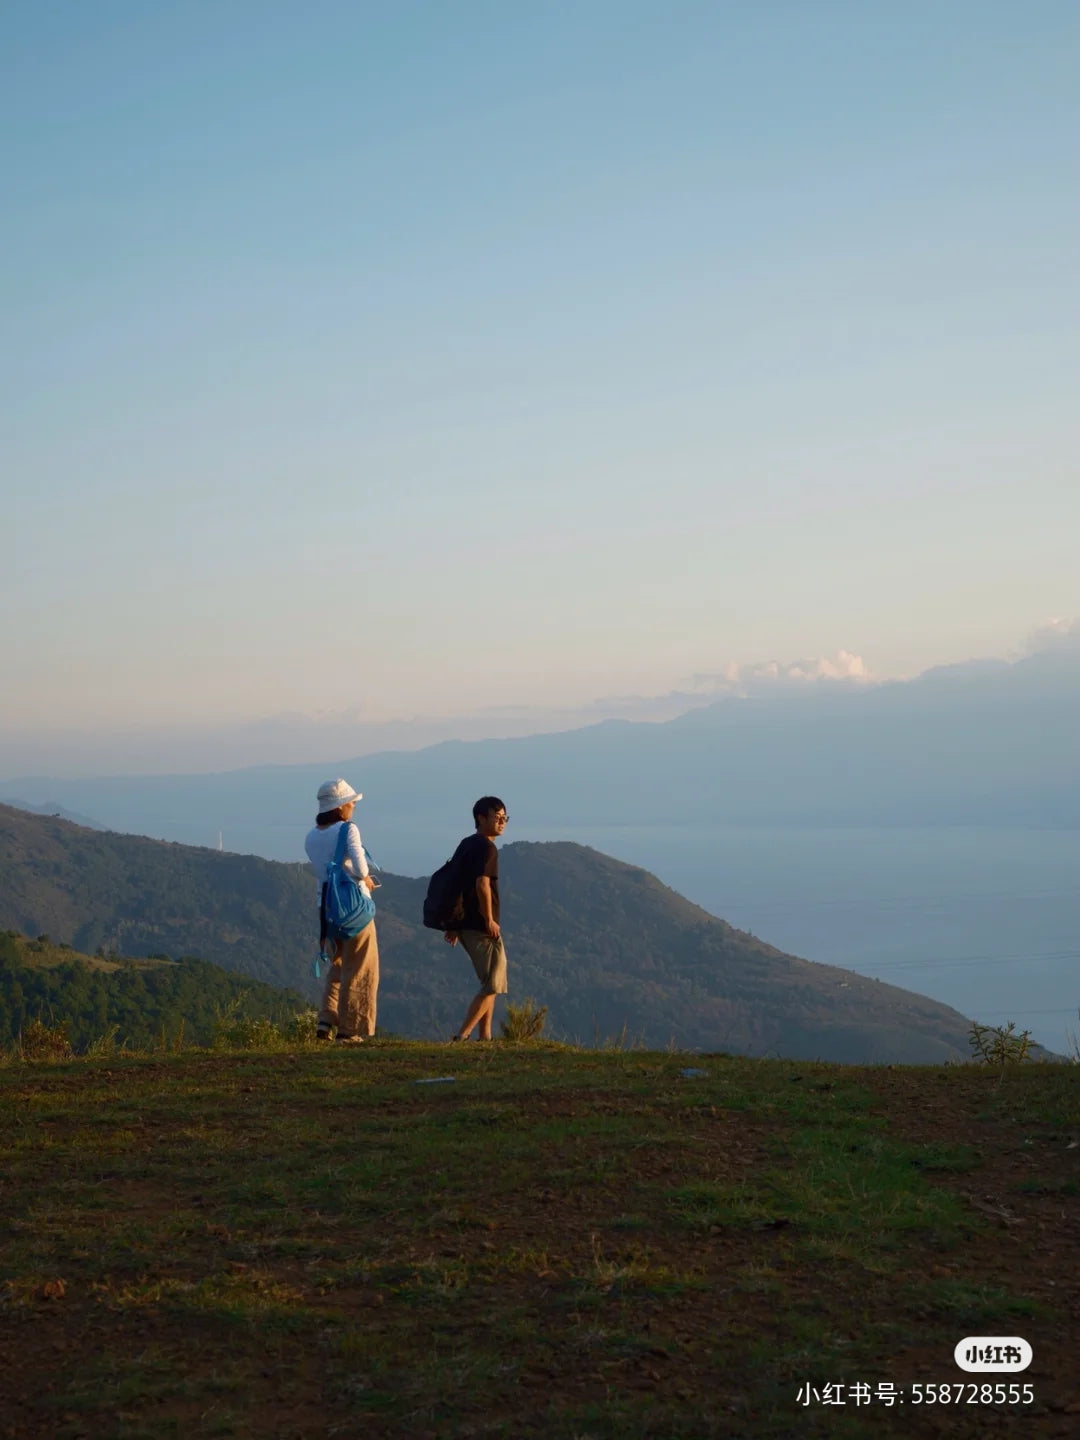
[993, 1352]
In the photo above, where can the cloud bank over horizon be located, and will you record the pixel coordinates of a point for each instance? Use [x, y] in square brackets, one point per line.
[296, 737]
[737, 679]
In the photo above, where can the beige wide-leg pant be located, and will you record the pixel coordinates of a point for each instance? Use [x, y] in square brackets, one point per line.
[352, 985]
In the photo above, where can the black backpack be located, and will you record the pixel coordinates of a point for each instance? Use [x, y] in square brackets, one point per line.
[444, 903]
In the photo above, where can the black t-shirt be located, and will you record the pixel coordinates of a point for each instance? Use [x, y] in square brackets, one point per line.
[476, 856]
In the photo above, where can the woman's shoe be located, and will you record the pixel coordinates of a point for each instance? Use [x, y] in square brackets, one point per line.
[324, 1031]
[348, 1039]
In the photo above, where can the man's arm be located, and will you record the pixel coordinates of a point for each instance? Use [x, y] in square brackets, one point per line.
[483, 894]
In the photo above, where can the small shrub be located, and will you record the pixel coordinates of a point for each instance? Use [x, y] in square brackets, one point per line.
[524, 1022]
[999, 1044]
[39, 1042]
[238, 1032]
[301, 1028]
[104, 1044]
[621, 1040]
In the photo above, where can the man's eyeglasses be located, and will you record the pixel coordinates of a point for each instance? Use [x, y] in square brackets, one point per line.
[501, 819]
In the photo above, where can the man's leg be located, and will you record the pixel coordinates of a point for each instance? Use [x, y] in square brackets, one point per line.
[489, 962]
[479, 1012]
[484, 1018]
[495, 976]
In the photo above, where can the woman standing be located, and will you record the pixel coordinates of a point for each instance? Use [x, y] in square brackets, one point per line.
[347, 1011]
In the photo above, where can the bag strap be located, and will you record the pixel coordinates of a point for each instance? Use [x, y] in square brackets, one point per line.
[342, 843]
[322, 958]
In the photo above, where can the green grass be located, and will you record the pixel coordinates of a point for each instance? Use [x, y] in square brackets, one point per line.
[561, 1242]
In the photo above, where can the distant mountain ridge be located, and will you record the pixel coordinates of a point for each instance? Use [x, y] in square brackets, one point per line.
[51, 807]
[607, 946]
[976, 744]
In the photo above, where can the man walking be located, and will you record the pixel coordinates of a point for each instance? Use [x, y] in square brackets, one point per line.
[476, 864]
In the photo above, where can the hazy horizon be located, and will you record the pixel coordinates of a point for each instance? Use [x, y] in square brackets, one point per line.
[304, 739]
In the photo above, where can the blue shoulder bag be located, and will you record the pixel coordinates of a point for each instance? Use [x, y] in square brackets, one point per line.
[347, 905]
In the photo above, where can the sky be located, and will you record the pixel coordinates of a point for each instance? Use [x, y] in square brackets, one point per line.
[370, 360]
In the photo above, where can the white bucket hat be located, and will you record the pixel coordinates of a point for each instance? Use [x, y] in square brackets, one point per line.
[335, 793]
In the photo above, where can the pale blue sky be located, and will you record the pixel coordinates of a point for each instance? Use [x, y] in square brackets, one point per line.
[419, 357]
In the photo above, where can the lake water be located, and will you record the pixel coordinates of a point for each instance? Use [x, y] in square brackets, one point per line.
[985, 920]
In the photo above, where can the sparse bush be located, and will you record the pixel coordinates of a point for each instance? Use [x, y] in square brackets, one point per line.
[621, 1040]
[238, 1032]
[524, 1022]
[233, 1031]
[104, 1044]
[999, 1044]
[39, 1042]
[301, 1028]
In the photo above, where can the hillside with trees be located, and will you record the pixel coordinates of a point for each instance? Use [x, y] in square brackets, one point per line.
[136, 1003]
[606, 946]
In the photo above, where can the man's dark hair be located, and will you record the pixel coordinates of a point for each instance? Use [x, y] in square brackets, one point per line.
[485, 805]
[331, 817]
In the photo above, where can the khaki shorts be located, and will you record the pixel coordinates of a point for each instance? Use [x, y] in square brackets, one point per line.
[489, 960]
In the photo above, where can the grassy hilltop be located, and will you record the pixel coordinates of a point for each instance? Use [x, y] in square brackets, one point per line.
[606, 946]
[554, 1243]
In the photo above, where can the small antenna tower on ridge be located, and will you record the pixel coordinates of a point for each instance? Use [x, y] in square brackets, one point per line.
[219, 844]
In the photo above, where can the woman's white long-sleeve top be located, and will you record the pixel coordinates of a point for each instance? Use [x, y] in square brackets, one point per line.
[321, 846]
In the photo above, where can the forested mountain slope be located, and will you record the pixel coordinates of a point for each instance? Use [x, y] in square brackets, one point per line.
[605, 945]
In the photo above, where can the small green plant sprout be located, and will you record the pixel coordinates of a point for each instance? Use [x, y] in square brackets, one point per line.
[524, 1022]
[39, 1042]
[999, 1044]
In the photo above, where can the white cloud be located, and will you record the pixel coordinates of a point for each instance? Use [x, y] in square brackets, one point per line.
[747, 679]
[1053, 634]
